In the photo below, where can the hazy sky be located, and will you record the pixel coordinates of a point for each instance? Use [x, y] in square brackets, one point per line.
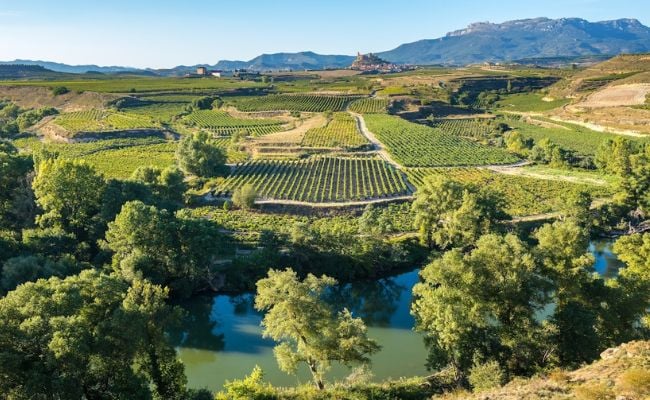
[166, 33]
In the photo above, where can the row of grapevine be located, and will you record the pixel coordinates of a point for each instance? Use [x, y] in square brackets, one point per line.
[369, 106]
[416, 145]
[474, 128]
[224, 124]
[294, 102]
[98, 120]
[522, 195]
[323, 179]
[340, 131]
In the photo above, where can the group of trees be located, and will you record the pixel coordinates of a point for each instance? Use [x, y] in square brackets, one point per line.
[14, 119]
[110, 253]
[494, 299]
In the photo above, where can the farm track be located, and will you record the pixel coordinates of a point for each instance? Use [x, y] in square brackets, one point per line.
[379, 148]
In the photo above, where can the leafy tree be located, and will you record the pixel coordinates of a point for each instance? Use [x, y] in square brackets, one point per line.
[154, 244]
[449, 213]
[308, 329]
[634, 280]
[17, 206]
[516, 143]
[613, 156]
[244, 196]
[59, 90]
[70, 195]
[18, 270]
[88, 336]
[481, 304]
[198, 155]
[167, 185]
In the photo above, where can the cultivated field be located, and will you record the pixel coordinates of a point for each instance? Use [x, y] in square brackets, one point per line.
[321, 179]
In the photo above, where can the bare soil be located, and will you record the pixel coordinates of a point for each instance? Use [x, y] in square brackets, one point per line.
[36, 97]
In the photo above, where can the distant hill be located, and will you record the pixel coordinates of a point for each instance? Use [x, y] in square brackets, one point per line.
[289, 61]
[527, 38]
[73, 69]
[20, 71]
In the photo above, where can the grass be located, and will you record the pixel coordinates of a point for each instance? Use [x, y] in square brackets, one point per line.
[529, 102]
[415, 145]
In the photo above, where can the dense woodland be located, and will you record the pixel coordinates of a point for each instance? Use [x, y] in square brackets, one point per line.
[94, 260]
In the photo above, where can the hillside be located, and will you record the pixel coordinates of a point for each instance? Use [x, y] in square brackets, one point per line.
[528, 38]
[289, 61]
[22, 71]
[622, 372]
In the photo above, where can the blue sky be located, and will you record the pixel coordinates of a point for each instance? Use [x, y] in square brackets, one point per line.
[166, 33]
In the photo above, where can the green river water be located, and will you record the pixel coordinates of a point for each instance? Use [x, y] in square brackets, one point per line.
[221, 340]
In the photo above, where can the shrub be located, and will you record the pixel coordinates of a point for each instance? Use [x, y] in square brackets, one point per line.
[635, 382]
[244, 196]
[250, 388]
[59, 90]
[486, 376]
[593, 391]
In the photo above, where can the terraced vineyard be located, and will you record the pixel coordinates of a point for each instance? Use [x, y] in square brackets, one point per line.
[224, 124]
[294, 102]
[340, 131]
[369, 106]
[415, 145]
[100, 121]
[473, 128]
[523, 195]
[323, 179]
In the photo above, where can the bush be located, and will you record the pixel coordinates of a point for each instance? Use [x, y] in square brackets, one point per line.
[244, 196]
[635, 382]
[59, 90]
[486, 376]
[250, 388]
[593, 391]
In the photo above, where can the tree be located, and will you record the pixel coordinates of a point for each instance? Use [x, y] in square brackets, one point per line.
[70, 195]
[198, 155]
[613, 156]
[244, 196]
[17, 206]
[88, 336]
[166, 250]
[516, 143]
[19, 270]
[167, 185]
[481, 304]
[449, 213]
[308, 329]
[634, 280]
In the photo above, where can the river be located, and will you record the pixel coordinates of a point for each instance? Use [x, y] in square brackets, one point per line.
[221, 339]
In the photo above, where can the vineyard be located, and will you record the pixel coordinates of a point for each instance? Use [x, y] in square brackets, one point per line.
[323, 179]
[294, 102]
[224, 124]
[415, 145]
[472, 128]
[99, 121]
[341, 131]
[523, 195]
[369, 106]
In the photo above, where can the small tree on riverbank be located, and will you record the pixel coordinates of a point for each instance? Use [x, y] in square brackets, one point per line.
[307, 328]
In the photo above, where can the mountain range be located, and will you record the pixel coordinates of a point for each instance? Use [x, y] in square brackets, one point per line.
[536, 38]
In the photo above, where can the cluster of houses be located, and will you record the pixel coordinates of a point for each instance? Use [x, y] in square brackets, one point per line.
[371, 63]
[203, 71]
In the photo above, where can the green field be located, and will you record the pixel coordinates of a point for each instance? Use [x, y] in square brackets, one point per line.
[415, 145]
[141, 84]
[102, 121]
[293, 102]
[523, 195]
[369, 106]
[529, 102]
[472, 128]
[579, 139]
[322, 179]
[341, 131]
[224, 124]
